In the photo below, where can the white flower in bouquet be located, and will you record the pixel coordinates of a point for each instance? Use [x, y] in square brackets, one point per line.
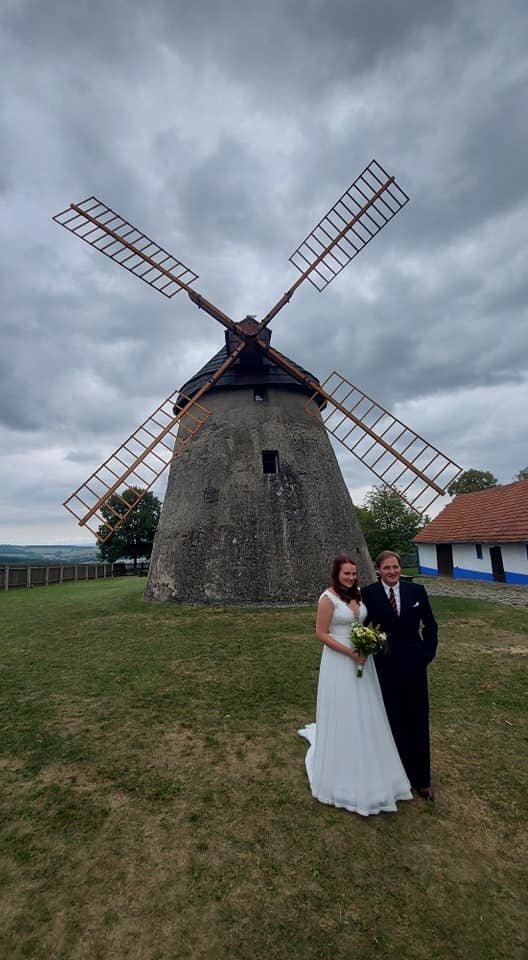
[368, 640]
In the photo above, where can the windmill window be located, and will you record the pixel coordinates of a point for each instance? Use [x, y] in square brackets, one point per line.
[211, 495]
[478, 550]
[270, 461]
[260, 395]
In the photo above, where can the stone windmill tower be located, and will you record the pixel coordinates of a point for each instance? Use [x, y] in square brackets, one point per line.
[256, 506]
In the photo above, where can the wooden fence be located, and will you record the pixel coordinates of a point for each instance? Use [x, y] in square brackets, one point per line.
[38, 575]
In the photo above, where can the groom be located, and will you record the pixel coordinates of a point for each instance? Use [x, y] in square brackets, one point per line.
[402, 609]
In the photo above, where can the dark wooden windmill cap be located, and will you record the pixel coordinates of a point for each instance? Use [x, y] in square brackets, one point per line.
[253, 369]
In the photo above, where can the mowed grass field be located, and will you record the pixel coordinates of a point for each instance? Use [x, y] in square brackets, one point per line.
[154, 803]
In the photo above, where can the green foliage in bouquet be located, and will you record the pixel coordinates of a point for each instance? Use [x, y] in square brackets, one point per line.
[368, 640]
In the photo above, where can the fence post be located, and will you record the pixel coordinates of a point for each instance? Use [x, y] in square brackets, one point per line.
[86, 572]
[75, 573]
[46, 577]
[6, 577]
[28, 578]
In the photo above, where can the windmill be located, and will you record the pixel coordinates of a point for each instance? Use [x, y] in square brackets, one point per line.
[256, 506]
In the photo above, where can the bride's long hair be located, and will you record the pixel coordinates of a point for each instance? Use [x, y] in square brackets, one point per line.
[353, 593]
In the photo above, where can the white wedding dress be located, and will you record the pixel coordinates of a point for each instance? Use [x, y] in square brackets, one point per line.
[352, 761]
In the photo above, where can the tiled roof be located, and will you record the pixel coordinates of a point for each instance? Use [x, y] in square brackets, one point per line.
[498, 514]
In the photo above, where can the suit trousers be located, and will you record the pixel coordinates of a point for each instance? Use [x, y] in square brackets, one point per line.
[407, 706]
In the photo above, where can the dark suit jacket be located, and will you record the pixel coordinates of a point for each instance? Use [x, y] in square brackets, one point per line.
[413, 635]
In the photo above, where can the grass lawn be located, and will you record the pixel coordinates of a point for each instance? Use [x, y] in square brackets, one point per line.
[154, 803]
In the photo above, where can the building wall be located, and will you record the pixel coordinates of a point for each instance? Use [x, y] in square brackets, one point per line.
[515, 559]
[467, 565]
[427, 559]
[230, 533]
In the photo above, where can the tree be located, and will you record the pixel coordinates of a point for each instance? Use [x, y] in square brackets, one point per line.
[387, 522]
[135, 536]
[523, 474]
[471, 480]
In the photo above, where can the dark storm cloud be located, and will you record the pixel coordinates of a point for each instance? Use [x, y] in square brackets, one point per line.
[302, 43]
[300, 47]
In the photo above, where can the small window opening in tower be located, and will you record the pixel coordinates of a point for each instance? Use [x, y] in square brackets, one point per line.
[270, 461]
[260, 394]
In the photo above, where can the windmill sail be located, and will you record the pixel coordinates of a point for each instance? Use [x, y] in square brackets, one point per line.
[105, 230]
[358, 216]
[394, 452]
[100, 226]
[135, 466]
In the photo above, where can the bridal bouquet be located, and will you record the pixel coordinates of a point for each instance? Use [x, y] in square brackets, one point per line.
[368, 640]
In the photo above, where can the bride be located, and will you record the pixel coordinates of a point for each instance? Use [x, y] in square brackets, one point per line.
[352, 761]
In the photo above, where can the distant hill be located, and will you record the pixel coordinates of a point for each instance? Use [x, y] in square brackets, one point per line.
[50, 553]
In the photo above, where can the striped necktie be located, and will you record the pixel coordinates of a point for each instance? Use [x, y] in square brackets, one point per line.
[392, 601]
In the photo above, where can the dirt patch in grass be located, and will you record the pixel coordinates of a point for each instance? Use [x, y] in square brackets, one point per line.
[10, 764]
[76, 715]
[475, 637]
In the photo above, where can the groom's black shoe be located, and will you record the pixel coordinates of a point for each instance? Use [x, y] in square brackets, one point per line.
[426, 793]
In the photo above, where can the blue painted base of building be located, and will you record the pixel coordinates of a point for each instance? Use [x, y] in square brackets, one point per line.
[459, 573]
[516, 578]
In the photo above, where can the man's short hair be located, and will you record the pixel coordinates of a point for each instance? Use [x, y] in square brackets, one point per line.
[384, 555]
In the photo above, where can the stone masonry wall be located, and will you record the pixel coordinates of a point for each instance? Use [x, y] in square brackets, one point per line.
[229, 533]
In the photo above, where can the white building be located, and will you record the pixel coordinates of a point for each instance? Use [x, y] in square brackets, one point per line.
[479, 536]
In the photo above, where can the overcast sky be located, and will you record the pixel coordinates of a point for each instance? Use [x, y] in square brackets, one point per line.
[225, 130]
